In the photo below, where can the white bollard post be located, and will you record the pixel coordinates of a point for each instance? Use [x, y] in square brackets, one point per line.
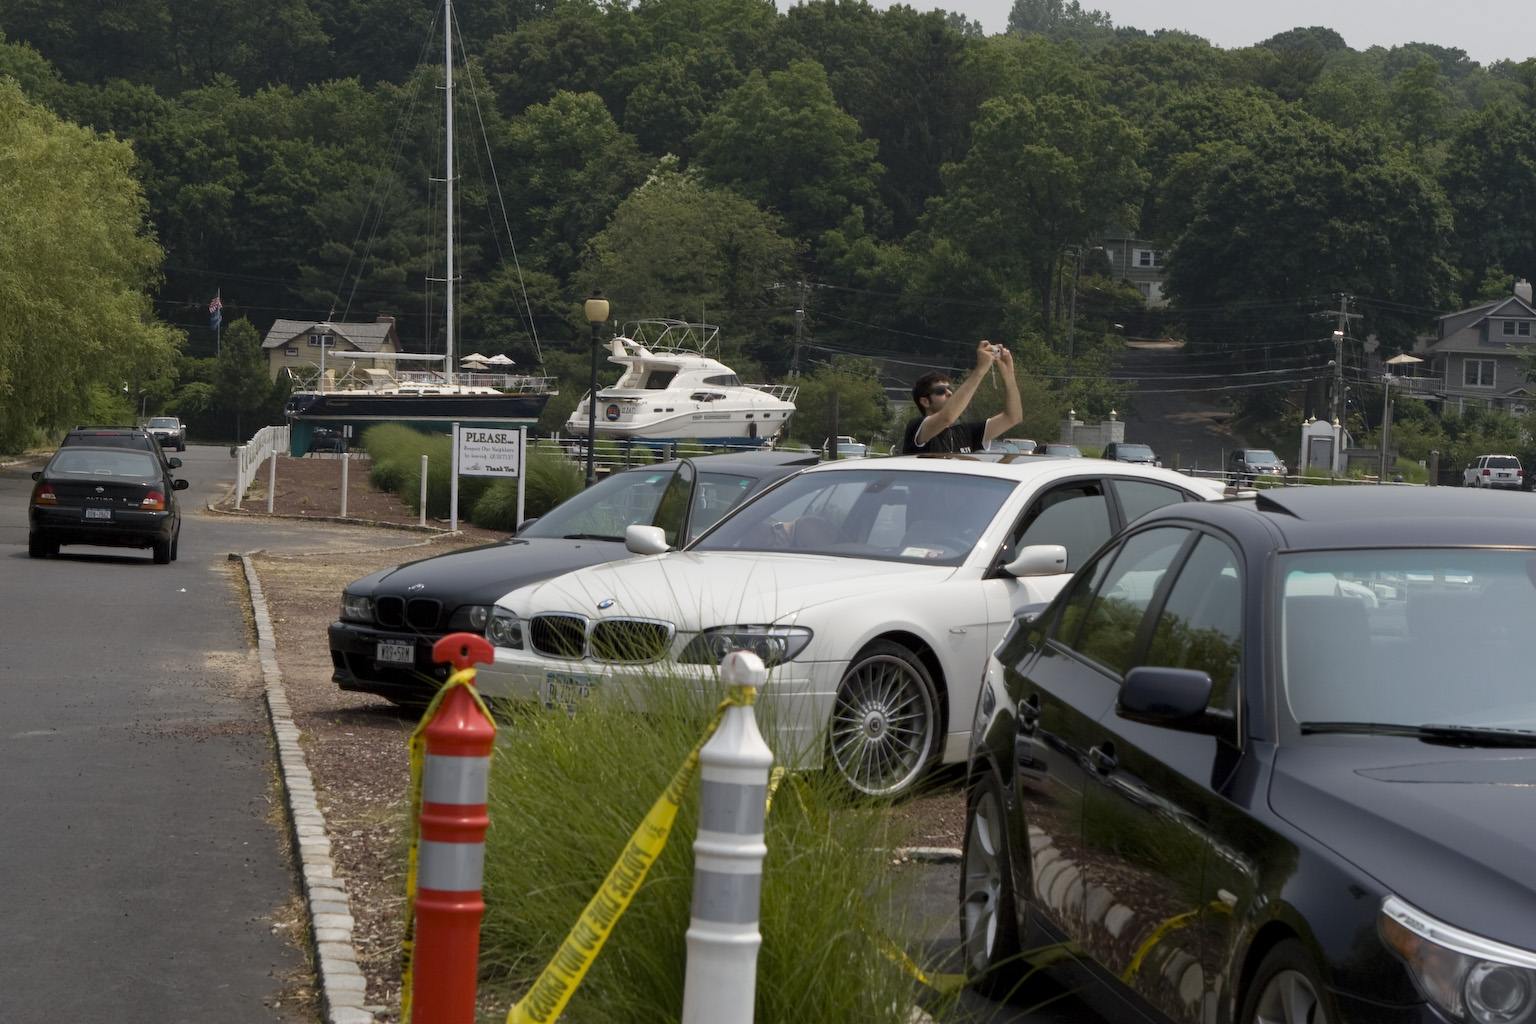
[346, 457]
[423, 490]
[720, 985]
[271, 480]
[239, 453]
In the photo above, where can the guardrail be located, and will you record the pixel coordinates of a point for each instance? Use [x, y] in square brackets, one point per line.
[265, 443]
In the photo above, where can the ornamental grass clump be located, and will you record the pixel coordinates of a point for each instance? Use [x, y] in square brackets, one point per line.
[568, 788]
[551, 478]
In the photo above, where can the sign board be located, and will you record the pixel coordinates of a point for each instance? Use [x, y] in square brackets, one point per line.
[488, 451]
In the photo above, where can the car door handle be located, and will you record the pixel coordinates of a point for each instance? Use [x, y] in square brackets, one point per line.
[1102, 759]
[1029, 712]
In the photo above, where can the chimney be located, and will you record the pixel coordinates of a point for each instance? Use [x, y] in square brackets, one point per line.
[1523, 289]
[384, 319]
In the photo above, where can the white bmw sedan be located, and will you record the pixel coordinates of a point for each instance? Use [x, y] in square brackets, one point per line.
[873, 590]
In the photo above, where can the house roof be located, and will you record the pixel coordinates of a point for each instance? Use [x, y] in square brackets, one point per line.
[1457, 332]
[364, 336]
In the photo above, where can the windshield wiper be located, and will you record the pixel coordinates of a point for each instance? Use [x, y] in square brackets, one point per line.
[591, 536]
[1455, 735]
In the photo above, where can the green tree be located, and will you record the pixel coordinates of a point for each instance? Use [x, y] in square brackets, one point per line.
[1490, 175]
[241, 382]
[863, 411]
[76, 263]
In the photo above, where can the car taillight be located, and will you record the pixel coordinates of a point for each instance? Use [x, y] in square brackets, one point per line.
[153, 500]
[1487, 471]
[44, 495]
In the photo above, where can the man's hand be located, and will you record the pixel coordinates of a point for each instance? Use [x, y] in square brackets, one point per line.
[1005, 360]
[985, 353]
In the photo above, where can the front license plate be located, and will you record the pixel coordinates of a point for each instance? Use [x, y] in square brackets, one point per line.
[98, 513]
[396, 654]
[564, 689]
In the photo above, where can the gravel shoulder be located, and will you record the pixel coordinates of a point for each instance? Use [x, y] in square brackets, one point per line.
[356, 745]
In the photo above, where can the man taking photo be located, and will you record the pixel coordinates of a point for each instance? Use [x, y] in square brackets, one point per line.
[941, 404]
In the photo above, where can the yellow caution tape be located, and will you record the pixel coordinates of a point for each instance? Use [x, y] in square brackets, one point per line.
[546, 1000]
[463, 677]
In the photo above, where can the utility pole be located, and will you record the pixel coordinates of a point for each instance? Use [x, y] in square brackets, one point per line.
[1344, 317]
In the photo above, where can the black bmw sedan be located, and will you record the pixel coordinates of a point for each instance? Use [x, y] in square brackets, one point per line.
[382, 643]
[1270, 760]
[107, 496]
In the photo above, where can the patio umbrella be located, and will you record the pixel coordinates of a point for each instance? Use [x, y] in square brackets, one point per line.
[499, 360]
[473, 357]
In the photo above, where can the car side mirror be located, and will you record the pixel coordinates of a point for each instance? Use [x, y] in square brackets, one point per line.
[180, 485]
[173, 463]
[37, 474]
[643, 539]
[524, 525]
[1173, 698]
[1038, 560]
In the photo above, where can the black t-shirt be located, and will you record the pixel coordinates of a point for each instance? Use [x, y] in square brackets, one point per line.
[957, 437]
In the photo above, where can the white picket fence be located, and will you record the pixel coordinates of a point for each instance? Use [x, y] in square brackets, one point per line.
[265, 443]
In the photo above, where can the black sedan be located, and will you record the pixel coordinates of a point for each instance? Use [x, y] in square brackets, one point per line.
[382, 643]
[111, 496]
[1270, 760]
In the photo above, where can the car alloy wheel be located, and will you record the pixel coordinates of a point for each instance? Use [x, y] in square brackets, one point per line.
[1286, 989]
[988, 922]
[885, 721]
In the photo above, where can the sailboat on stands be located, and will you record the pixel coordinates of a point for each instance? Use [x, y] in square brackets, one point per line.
[428, 399]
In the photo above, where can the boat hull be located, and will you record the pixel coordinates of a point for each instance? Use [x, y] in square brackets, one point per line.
[706, 422]
[433, 413]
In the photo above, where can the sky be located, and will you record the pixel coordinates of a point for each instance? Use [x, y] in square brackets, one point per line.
[1488, 30]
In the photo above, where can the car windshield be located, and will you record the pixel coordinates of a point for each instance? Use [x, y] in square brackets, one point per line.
[82, 462]
[605, 508]
[1415, 637]
[1062, 449]
[1140, 451]
[886, 514]
[1262, 457]
[161, 421]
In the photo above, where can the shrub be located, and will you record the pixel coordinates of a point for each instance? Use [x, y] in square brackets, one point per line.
[567, 791]
[551, 478]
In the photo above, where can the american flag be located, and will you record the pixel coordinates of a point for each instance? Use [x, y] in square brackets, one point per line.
[215, 312]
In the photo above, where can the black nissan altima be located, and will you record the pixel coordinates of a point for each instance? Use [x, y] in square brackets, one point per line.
[382, 643]
[109, 496]
[1270, 760]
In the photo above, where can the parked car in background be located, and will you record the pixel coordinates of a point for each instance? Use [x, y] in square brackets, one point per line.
[1234, 795]
[1495, 471]
[847, 448]
[1012, 446]
[1245, 465]
[169, 431]
[120, 437]
[326, 439]
[1058, 448]
[1124, 451]
[382, 641]
[872, 589]
[108, 496]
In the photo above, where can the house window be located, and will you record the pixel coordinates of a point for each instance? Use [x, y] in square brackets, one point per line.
[1518, 409]
[321, 340]
[290, 351]
[1509, 328]
[1148, 258]
[1517, 328]
[1477, 373]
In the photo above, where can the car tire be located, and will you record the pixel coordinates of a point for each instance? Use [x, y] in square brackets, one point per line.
[989, 931]
[37, 547]
[175, 545]
[1286, 989]
[884, 730]
[162, 550]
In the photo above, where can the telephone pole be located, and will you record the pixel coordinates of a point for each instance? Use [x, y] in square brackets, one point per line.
[1344, 317]
[794, 360]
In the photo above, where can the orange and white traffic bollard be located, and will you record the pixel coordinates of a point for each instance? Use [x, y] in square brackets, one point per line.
[451, 862]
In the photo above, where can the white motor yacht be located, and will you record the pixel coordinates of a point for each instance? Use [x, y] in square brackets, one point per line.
[673, 389]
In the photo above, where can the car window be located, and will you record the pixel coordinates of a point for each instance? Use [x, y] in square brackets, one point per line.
[1200, 625]
[716, 494]
[1111, 623]
[607, 507]
[674, 503]
[96, 463]
[895, 515]
[1138, 497]
[1503, 462]
[1074, 515]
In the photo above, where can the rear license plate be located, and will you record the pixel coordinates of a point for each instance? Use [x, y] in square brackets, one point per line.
[564, 689]
[98, 513]
[396, 654]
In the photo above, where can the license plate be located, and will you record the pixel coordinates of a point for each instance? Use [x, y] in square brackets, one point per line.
[564, 689]
[396, 654]
[98, 513]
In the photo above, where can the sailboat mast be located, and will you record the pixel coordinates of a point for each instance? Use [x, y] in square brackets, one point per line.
[448, 172]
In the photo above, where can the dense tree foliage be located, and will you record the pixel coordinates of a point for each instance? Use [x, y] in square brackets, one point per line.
[904, 180]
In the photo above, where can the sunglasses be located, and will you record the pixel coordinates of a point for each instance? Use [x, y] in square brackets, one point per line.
[942, 389]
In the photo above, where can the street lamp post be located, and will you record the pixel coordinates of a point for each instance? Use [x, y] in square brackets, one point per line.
[597, 312]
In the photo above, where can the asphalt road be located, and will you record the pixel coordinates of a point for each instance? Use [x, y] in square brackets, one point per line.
[144, 854]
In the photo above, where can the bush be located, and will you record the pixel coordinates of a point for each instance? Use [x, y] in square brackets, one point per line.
[551, 478]
[396, 452]
[567, 791]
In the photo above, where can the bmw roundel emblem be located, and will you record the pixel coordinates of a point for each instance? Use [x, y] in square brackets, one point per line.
[415, 587]
[605, 604]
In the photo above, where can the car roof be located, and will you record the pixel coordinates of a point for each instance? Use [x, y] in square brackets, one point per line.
[752, 461]
[116, 451]
[1013, 467]
[1374, 516]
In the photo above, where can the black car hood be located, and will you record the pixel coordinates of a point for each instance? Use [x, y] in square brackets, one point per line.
[480, 575]
[1449, 830]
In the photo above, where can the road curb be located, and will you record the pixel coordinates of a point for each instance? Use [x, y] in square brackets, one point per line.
[343, 987]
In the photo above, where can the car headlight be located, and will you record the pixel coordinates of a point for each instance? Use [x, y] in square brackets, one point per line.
[505, 629]
[1467, 977]
[471, 617]
[356, 607]
[773, 644]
